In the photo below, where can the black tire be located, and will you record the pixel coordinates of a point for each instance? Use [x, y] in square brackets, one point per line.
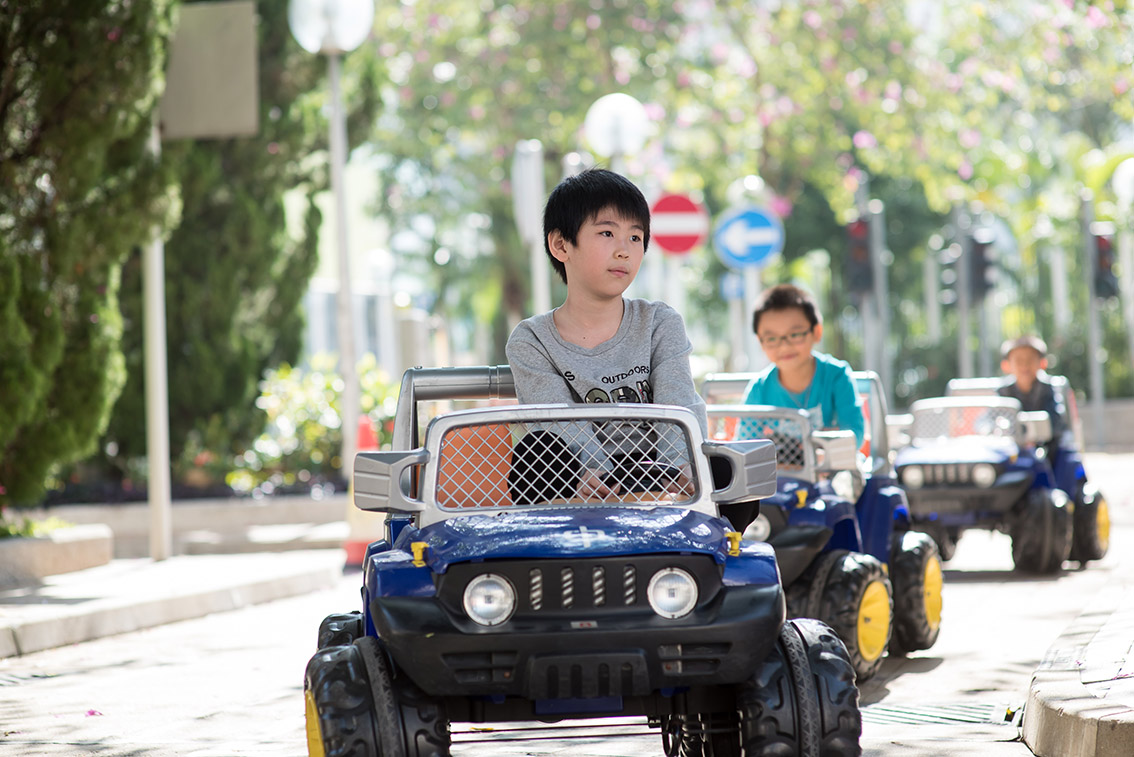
[422, 721]
[706, 735]
[343, 719]
[858, 604]
[945, 539]
[340, 629]
[915, 573]
[1090, 538]
[1041, 532]
[805, 595]
[803, 700]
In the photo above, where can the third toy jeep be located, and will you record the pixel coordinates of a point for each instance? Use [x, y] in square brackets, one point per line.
[976, 460]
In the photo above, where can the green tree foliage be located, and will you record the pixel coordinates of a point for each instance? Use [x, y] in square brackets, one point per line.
[77, 193]
[235, 273]
[466, 81]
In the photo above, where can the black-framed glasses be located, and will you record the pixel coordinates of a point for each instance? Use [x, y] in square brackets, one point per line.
[793, 338]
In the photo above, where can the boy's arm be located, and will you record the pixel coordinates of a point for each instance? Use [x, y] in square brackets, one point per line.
[848, 409]
[536, 377]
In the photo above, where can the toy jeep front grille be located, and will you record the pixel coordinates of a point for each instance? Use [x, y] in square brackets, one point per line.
[579, 590]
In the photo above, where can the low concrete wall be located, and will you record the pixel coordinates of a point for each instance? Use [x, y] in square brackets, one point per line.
[1117, 432]
[26, 560]
[202, 521]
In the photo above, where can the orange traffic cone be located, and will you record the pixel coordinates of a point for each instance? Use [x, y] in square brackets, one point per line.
[365, 527]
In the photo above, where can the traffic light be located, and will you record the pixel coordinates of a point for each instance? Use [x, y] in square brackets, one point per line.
[982, 263]
[858, 268]
[1106, 281]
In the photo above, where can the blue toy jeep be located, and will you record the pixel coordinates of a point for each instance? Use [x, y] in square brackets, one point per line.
[501, 594]
[839, 524]
[976, 460]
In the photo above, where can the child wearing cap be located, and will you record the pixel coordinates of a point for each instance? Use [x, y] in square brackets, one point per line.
[1024, 359]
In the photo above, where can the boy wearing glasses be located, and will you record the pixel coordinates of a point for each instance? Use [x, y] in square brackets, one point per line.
[789, 326]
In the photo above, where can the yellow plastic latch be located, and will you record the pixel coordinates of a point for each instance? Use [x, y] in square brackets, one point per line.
[733, 543]
[419, 548]
[801, 495]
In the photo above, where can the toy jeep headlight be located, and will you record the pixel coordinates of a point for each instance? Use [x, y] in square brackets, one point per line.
[672, 593]
[984, 475]
[490, 599]
[913, 476]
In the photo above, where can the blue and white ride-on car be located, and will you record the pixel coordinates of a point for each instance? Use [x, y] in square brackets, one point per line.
[975, 460]
[501, 594]
[839, 523]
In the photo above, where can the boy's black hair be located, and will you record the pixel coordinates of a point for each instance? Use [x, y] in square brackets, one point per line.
[785, 297]
[581, 197]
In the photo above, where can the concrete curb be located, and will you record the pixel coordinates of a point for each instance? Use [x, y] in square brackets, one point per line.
[1081, 699]
[147, 594]
[27, 560]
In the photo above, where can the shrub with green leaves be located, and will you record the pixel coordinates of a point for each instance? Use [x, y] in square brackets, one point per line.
[301, 444]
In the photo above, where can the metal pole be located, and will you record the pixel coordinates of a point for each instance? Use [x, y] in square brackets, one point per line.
[157, 388]
[984, 346]
[1060, 296]
[1124, 240]
[754, 358]
[880, 265]
[964, 291]
[348, 364]
[868, 301]
[932, 283]
[1094, 329]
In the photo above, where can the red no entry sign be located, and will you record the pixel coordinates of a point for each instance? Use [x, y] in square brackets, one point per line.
[677, 224]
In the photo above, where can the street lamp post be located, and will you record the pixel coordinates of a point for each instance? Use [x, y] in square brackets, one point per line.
[334, 27]
[617, 125]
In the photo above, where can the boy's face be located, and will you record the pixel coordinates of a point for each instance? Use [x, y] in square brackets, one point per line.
[787, 337]
[606, 255]
[1023, 363]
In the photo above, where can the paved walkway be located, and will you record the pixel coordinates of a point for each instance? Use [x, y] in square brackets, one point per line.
[128, 595]
[1080, 703]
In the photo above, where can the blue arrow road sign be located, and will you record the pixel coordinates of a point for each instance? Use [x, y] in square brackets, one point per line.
[747, 237]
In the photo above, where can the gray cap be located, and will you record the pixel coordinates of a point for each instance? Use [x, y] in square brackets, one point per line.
[1028, 340]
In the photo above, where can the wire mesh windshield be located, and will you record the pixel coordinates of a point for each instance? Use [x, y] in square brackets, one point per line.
[788, 430]
[955, 421]
[500, 464]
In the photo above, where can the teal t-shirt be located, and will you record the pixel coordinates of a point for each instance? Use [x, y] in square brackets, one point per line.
[831, 399]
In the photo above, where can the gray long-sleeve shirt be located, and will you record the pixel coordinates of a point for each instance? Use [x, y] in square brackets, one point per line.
[647, 360]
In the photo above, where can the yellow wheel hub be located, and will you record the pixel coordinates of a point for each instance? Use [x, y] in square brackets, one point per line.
[873, 621]
[932, 587]
[1102, 521]
[314, 733]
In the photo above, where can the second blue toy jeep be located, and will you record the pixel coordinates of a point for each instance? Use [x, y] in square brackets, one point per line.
[500, 594]
[839, 523]
[975, 460]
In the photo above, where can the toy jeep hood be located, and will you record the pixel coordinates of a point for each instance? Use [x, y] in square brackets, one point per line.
[995, 451]
[574, 532]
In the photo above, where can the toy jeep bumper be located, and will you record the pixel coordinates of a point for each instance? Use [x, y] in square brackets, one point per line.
[949, 500]
[623, 651]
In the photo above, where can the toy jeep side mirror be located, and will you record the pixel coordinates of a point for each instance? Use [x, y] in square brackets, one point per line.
[1034, 428]
[378, 481]
[751, 470]
[835, 451]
